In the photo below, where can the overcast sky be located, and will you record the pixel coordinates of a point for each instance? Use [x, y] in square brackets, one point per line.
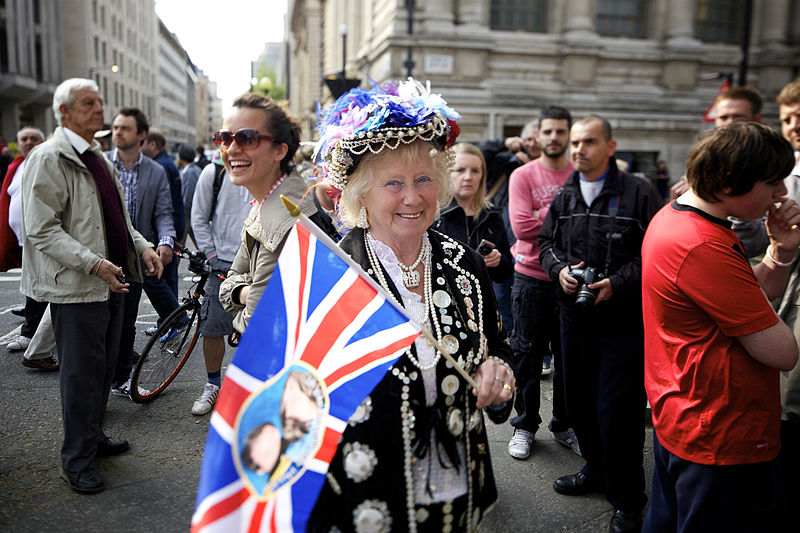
[223, 37]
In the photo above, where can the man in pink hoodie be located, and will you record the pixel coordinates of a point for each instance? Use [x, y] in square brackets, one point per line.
[536, 327]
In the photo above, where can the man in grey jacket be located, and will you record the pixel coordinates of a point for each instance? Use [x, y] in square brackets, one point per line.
[78, 244]
[147, 197]
[217, 226]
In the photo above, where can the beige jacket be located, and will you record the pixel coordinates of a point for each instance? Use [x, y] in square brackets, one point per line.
[63, 232]
[263, 235]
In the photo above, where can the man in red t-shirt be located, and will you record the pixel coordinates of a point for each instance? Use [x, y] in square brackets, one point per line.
[713, 344]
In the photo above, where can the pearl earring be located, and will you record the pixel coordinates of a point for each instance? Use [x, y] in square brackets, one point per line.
[362, 221]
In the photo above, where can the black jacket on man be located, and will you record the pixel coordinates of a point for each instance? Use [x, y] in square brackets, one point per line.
[606, 235]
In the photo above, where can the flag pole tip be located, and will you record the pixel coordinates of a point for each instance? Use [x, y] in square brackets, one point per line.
[290, 206]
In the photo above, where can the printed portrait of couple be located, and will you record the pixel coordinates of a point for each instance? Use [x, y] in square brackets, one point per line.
[279, 429]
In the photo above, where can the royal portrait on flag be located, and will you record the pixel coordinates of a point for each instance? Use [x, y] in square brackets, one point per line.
[279, 429]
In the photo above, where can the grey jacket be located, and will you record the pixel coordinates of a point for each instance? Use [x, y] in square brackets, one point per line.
[264, 233]
[221, 231]
[63, 231]
[153, 201]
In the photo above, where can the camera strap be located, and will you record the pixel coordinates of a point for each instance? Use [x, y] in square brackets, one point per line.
[572, 203]
[613, 209]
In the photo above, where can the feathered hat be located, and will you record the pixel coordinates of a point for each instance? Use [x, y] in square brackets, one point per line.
[385, 116]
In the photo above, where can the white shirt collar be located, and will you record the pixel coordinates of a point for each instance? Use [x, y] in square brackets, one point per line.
[78, 142]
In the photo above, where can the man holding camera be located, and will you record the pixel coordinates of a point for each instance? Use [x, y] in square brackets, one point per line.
[590, 245]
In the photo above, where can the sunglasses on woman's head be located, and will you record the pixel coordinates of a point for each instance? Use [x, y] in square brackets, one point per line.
[246, 139]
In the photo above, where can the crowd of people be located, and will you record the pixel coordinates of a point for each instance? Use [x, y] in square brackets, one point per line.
[519, 256]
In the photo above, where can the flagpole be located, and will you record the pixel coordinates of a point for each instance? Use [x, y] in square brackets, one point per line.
[295, 211]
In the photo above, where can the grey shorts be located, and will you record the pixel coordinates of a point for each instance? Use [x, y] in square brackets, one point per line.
[214, 320]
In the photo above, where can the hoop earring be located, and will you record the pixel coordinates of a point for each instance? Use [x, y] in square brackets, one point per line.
[362, 221]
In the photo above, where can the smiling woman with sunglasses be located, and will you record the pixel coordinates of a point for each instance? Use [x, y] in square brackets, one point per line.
[258, 142]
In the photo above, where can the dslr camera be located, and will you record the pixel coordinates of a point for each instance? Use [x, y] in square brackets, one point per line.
[586, 276]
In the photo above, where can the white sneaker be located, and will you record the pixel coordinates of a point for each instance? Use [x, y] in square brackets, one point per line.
[205, 402]
[20, 343]
[547, 367]
[125, 390]
[569, 439]
[519, 447]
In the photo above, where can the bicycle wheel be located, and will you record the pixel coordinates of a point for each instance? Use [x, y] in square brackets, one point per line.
[165, 353]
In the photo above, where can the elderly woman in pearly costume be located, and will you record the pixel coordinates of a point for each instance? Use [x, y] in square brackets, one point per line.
[414, 456]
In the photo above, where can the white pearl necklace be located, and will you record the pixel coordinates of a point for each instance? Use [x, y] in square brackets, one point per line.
[427, 291]
[410, 274]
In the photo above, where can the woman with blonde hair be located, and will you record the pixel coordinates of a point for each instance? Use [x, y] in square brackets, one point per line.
[470, 218]
[414, 457]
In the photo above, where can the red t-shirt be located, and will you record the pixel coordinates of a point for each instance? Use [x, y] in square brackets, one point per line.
[712, 403]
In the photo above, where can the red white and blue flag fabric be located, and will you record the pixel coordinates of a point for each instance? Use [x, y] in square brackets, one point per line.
[321, 338]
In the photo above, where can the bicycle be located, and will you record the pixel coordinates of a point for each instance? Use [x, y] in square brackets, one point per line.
[171, 345]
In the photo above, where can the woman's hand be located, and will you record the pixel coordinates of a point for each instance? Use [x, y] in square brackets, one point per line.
[492, 259]
[496, 383]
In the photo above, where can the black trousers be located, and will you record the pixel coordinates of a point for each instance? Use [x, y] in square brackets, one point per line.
[536, 334]
[87, 338]
[34, 311]
[689, 497]
[604, 375]
[130, 312]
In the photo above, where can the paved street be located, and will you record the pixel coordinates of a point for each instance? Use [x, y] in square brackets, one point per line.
[152, 487]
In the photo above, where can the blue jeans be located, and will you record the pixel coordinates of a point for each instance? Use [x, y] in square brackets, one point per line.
[502, 293]
[162, 297]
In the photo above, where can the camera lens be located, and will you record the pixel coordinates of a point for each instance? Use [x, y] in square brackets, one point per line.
[586, 296]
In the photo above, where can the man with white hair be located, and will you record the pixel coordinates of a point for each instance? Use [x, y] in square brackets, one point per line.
[11, 240]
[79, 249]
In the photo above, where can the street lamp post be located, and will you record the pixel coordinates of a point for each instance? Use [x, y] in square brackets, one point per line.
[339, 83]
[343, 33]
[409, 63]
[99, 68]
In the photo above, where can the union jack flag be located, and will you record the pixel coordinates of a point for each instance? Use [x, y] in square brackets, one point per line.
[322, 331]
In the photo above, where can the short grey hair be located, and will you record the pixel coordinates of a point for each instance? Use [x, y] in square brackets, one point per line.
[362, 178]
[531, 126]
[64, 93]
[30, 128]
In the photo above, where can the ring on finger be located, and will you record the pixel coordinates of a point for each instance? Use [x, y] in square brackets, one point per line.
[507, 387]
[498, 378]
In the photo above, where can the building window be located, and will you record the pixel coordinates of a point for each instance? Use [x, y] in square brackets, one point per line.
[719, 21]
[622, 18]
[522, 15]
[103, 17]
[96, 50]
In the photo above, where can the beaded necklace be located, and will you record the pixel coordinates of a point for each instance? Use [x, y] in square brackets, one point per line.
[427, 291]
[410, 274]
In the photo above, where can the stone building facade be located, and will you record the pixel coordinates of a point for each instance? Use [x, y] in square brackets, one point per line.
[176, 110]
[30, 64]
[644, 65]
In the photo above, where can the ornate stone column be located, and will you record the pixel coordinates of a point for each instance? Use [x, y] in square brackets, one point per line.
[680, 67]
